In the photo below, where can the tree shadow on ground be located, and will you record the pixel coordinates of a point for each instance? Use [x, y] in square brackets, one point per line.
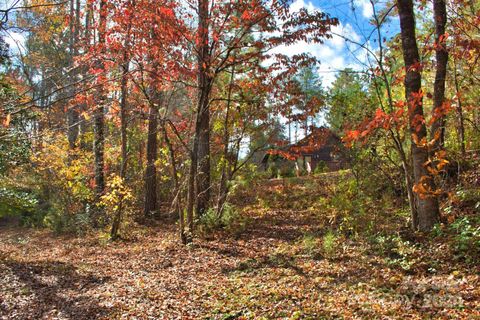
[284, 226]
[53, 289]
[270, 261]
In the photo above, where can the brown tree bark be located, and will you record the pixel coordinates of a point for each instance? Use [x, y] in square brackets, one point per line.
[204, 89]
[438, 126]
[84, 126]
[72, 113]
[99, 122]
[225, 177]
[191, 187]
[124, 138]
[198, 194]
[459, 109]
[151, 205]
[427, 205]
[177, 191]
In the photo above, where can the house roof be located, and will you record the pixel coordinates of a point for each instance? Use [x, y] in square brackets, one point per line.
[317, 140]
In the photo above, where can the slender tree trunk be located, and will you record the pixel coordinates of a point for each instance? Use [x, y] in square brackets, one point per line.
[124, 141]
[459, 109]
[98, 147]
[409, 184]
[438, 126]
[177, 191]
[99, 113]
[427, 205]
[191, 185]
[123, 122]
[151, 205]
[223, 188]
[199, 184]
[289, 132]
[204, 87]
[72, 112]
[83, 125]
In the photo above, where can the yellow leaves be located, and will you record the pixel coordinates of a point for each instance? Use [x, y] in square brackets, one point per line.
[424, 190]
[118, 193]
[86, 116]
[65, 169]
[422, 143]
[6, 122]
[420, 188]
[437, 163]
[396, 279]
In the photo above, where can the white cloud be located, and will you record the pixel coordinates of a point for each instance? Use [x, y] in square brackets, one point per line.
[15, 40]
[299, 4]
[333, 53]
[366, 7]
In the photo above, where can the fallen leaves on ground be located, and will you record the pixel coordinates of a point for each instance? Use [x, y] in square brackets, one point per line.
[263, 273]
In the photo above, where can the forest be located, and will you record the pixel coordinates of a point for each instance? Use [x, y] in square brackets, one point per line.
[239, 159]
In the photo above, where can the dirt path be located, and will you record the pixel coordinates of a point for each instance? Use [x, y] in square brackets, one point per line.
[270, 271]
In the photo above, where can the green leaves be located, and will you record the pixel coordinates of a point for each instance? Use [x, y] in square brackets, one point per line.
[15, 202]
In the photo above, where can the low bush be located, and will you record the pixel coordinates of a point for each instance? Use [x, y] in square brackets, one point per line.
[14, 202]
[466, 238]
[329, 244]
[398, 252]
[230, 220]
[310, 244]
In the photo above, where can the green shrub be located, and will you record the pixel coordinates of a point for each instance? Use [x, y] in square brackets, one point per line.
[350, 207]
[310, 244]
[15, 202]
[61, 222]
[230, 220]
[321, 167]
[398, 252]
[466, 240]
[329, 244]
[286, 172]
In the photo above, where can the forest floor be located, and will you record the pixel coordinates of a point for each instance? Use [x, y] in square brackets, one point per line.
[283, 265]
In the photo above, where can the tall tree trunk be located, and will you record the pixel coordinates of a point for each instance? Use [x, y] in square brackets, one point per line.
[459, 109]
[84, 125]
[72, 113]
[191, 185]
[427, 205]
[438, 126]
[151, 205]
[198, 194]
[99, 113]
[98, 149]
[204, 88]
[177, 191]
[225, 177]
[124, 140]
[123, 122]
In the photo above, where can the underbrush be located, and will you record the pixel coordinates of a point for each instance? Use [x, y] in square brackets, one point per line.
[462, 237]
[16, 202]
[381, 220]
[354, 211]
[325, 246]
[230, 220]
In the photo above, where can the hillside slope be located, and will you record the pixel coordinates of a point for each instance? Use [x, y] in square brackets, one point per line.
[288, 261]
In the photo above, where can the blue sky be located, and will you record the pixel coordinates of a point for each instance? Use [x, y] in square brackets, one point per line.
[335, 54]
[354, 24]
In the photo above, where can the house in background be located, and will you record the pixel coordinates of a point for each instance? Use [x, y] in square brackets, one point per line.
[321, 150]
